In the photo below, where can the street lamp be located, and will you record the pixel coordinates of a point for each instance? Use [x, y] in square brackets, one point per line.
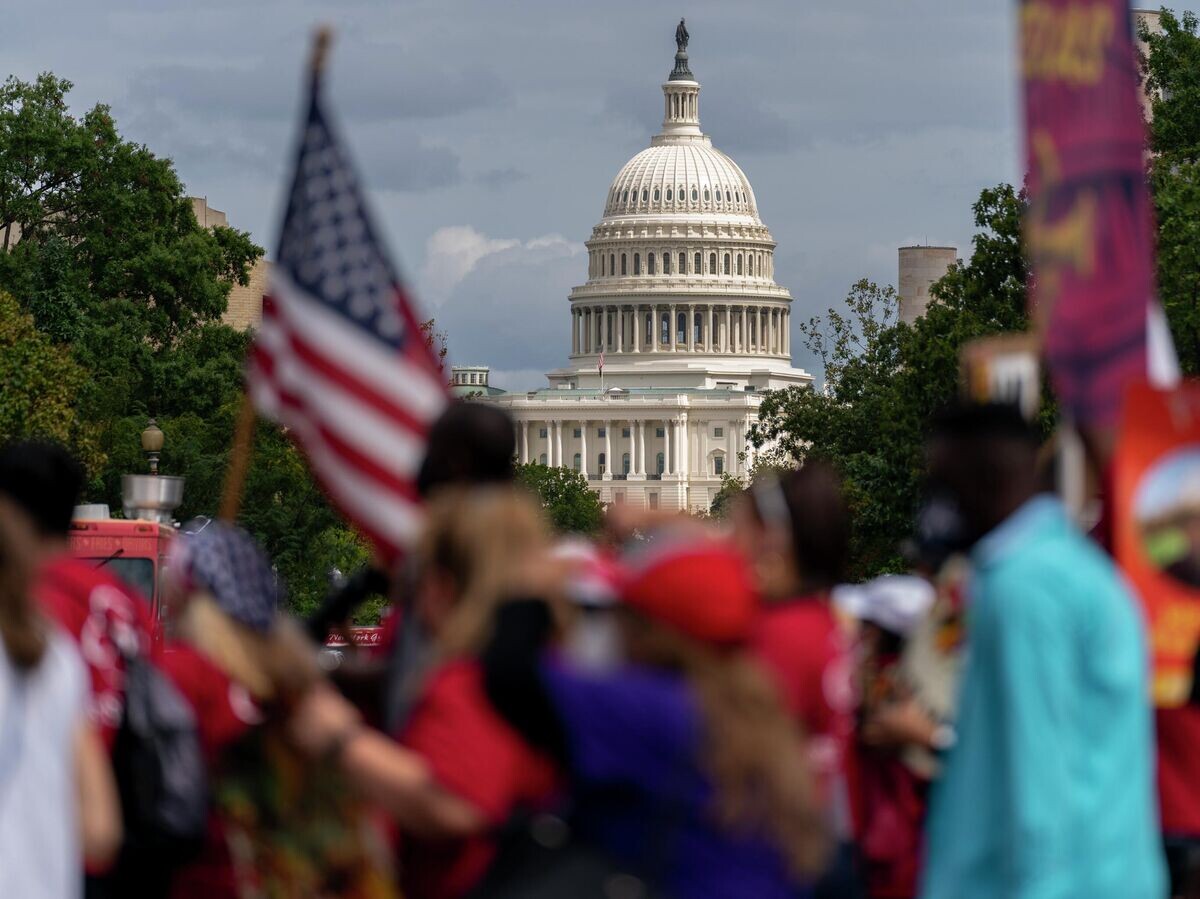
[152, 444]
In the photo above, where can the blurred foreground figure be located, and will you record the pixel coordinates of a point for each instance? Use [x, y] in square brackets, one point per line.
[58, 801]
[477, 547]
[796, 529]
[1049, 790]
[684, 766]
[283, 824]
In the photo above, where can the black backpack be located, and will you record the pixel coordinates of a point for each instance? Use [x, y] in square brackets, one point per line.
[162, 781]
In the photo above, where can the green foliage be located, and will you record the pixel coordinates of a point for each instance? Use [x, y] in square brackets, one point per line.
[569, 502]
[89, 218]
[1172, 71]
[731, 487]
[41, 386]
[120, 294]
[884, 378]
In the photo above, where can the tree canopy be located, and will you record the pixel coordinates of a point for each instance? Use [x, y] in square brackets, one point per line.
[1172, 72]
[564, 493]
[111, 295]
[884, 378]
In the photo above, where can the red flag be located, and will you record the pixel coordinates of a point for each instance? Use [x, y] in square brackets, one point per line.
[340, 359]
[1090, 226]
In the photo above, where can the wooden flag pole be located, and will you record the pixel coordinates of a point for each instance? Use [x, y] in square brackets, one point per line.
[243, 435]
[239, 462]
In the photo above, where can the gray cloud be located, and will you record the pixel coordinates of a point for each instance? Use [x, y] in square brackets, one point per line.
[860, 124]
[501, 177]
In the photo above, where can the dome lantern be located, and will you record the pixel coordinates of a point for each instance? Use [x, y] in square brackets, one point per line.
[681, 93]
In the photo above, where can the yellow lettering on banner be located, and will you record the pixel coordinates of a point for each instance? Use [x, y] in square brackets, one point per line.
[1065, 43]
[1070, 239]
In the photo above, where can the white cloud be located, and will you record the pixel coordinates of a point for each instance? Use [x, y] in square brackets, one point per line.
[453, 252]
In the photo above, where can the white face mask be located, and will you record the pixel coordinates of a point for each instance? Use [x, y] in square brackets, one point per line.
[594, 643]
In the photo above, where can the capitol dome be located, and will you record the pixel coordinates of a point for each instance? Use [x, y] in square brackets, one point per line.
[678, 332]
[681, 269]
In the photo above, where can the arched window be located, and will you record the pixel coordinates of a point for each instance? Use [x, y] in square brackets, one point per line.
[645, 195]
[656, 194]
[695, 195]
[727, 263]
[706, 195]
[712, 263]
[542, 459]
[683, 263]
[624, 463]
[637, 263]
[750, 265]
[698, 268]
[681, 328]
[602, 463]
[739, 264]
[664, 331]
[649, 263]
[666, 263]
[612, 264]
[718, 198]
[726, 196]
[578, 462]
[668, 195]
[624, 270]
[649, 326]
[625, 197]
[697, 329]
[660, 463]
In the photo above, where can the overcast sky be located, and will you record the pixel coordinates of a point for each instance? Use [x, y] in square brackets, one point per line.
[488, 132]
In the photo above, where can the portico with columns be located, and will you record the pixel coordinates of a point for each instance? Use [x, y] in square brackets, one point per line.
[676, 333]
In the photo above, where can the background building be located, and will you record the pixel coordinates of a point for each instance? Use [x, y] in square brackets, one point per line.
[245, 301]
[676, 331]
[920, 267]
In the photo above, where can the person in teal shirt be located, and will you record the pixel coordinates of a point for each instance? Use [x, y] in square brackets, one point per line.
[1048, 790]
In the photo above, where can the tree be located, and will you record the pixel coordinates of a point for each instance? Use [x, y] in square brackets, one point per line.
[88, 218]
[42, 384]
[884, 378]
[1172, 72]
[571, 505]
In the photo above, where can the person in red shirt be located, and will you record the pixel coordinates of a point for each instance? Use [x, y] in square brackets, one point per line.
[476, 543]
[795, 530]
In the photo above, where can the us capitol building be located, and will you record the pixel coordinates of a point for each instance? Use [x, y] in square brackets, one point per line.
[678, 330]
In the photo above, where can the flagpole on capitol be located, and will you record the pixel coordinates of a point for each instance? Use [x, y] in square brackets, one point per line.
[243, 435]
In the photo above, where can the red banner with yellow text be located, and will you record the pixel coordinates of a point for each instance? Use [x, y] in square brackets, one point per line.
[1089, 226]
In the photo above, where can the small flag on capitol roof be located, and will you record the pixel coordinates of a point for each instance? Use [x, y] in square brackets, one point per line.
[340, 359]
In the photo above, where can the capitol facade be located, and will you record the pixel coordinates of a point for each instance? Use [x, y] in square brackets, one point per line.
[676, 333]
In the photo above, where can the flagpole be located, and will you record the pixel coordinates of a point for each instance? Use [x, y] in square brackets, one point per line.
[243, 435]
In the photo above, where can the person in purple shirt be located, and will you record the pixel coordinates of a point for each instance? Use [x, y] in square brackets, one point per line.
[682, 762]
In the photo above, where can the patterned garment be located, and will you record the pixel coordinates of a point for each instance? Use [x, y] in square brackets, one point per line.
[295, 828]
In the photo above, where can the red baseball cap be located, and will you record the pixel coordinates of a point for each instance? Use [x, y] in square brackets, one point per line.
[701, 588]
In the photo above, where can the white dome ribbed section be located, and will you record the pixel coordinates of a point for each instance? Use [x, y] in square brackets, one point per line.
[686, 177]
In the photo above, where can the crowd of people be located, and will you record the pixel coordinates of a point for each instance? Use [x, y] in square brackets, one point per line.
[675, 708]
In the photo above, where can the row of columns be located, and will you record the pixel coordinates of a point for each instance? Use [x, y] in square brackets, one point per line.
[690, 261]
[679, 436]
[735, 329]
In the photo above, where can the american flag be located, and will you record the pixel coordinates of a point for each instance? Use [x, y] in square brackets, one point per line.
[340, 359]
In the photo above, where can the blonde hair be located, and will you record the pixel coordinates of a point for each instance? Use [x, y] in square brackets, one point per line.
[276, 667]
[753, 750]
[483, 538]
